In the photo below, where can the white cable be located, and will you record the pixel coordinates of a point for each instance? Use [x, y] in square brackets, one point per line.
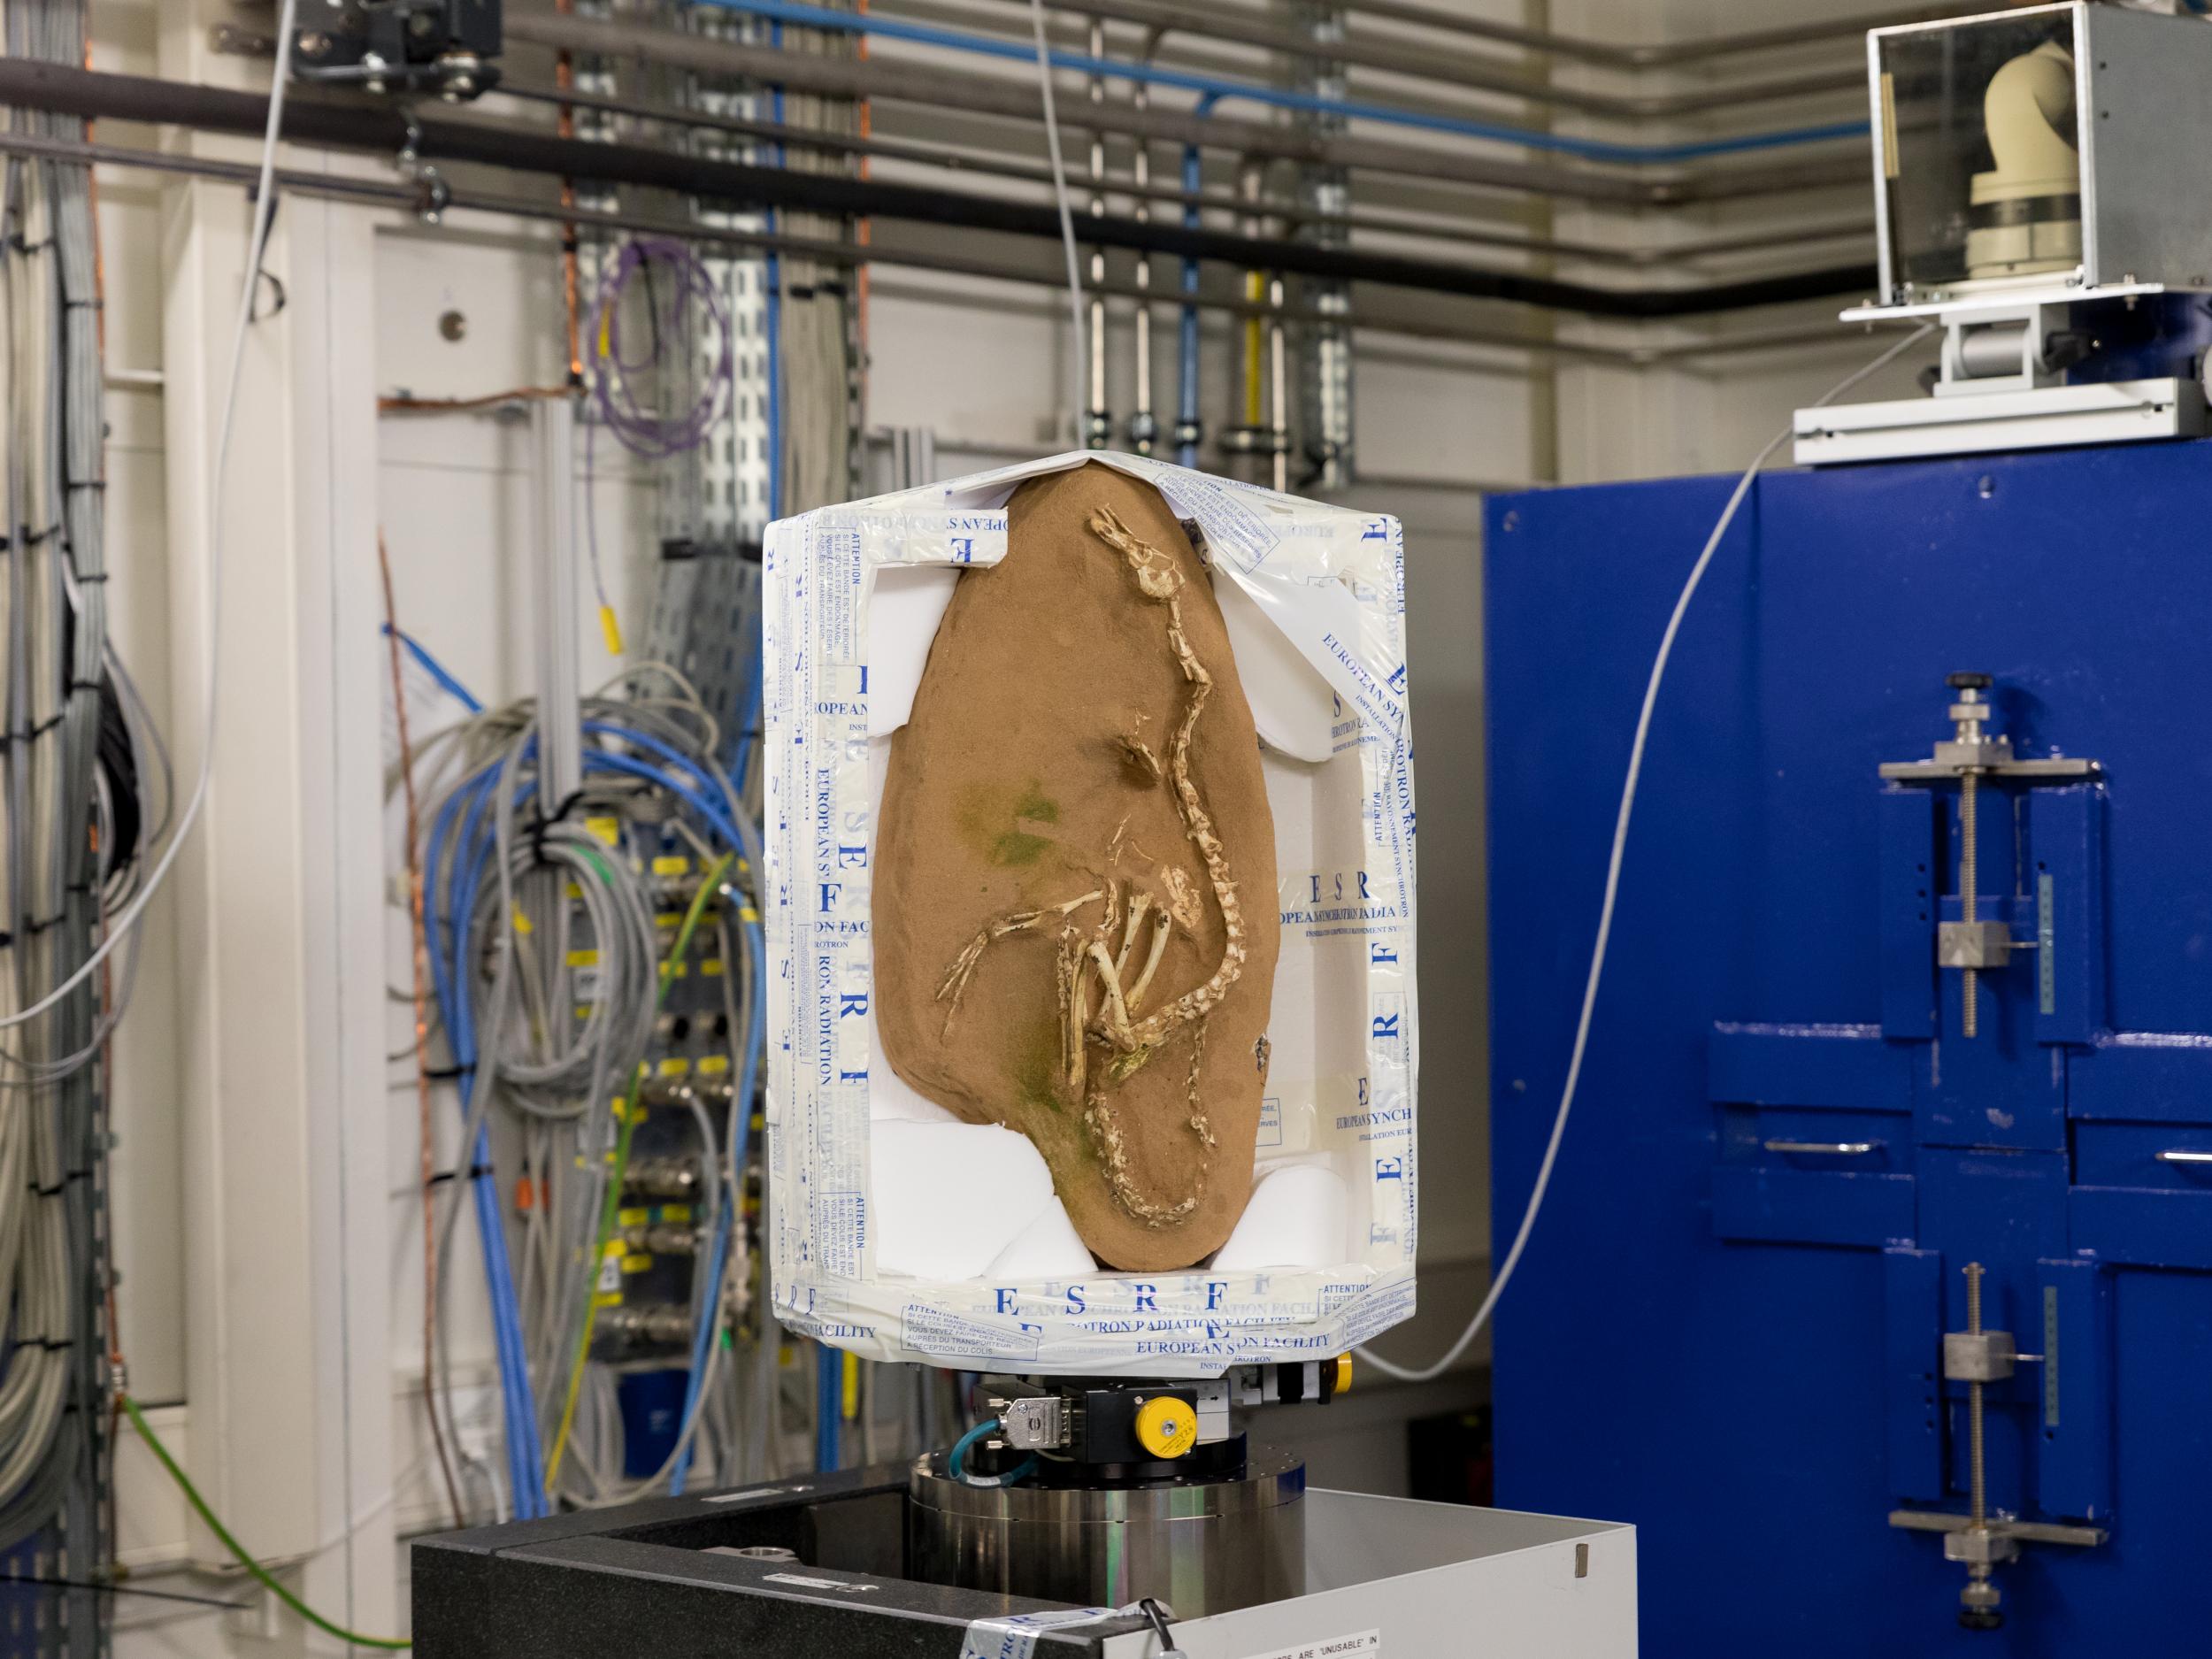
[1613, 882]
[1079, 356]
[265, 213]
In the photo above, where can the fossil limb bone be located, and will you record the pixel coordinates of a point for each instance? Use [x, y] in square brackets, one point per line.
[1159, 580]
[955, 984]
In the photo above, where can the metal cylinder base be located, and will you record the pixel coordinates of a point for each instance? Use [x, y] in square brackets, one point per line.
[1201, 1547]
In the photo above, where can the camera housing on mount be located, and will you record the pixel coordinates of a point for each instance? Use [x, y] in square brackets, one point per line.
[2028, 204]
[449, 48]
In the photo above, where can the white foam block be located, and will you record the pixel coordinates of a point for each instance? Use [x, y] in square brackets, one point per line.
[1296, 1219]
[1290, 704]
[951, 1197]
[1050, 1248]
[910, 601]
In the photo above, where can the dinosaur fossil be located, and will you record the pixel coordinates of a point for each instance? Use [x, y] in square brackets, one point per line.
[1119, 1020]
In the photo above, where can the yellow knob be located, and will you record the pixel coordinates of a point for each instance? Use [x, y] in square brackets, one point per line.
[1166, 1427]
[1343, 1374]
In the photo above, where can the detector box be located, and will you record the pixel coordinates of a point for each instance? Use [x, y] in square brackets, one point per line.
[2035, 149]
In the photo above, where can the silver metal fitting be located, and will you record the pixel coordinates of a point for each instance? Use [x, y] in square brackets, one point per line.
[1979, 750]
[1038, 1423]
[1979, 1357]
[1979, 1546]
[1973, 945]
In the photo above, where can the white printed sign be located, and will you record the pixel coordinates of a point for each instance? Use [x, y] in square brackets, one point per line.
[1366, 1642]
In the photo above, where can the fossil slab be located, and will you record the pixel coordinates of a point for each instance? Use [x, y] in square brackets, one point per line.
[1075, 913]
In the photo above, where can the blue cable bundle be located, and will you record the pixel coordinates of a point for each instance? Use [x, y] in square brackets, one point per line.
[459, 860]
[725, 1220]
[526, 1462]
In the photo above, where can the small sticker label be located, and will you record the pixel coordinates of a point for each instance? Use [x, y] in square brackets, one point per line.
[1367, 1641]
[713, 1064]
[673, 1066]
[608, 829]
[1016, 1637]
[805, 1583]
[672, 865]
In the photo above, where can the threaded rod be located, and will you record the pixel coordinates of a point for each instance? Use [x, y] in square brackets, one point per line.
[1970, 905]
[1977, 1472]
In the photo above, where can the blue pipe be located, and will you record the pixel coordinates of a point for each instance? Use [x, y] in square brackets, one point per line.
[1186, 409]
[1281, 99]
[829, 1406]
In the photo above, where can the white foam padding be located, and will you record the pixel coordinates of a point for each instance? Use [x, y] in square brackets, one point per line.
[910, 601]
[1050, 1248]
[963, 1193]
[1296, 1219]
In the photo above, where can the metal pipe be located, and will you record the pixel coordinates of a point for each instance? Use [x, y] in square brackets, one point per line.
[380, 128]
[1144, 426]
[1655, 55]
[1100, 435]
[378, 193]
[375, 193]
[1249, 179]
[1189, 431]
[809, 16]
[989, 96]
[1423, 60]
[1293, 213]
[1324, 348]
[1278, 364]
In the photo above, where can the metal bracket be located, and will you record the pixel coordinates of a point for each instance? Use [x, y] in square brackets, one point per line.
[228, 40]
[2020, 1532]
[1940, 769]
[1978, 1356]
[1976, 945]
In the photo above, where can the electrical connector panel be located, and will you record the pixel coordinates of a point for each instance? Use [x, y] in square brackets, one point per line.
[447, 47]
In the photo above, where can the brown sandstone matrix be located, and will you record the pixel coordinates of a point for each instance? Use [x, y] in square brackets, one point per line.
[1075, 926]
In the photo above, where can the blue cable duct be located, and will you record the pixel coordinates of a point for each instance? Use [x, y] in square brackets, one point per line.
[815, 17]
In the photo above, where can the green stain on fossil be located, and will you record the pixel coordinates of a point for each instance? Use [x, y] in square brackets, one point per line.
[1001, 821]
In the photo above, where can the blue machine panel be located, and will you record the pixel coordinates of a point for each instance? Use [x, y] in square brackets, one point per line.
[1728, 1326]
